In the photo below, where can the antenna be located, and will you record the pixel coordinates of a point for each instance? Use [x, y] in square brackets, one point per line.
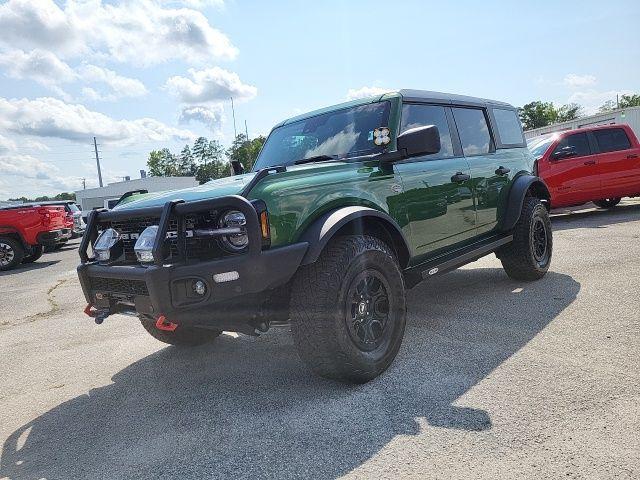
[95, 146]
[235, 132]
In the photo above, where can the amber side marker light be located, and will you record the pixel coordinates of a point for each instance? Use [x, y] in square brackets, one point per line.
[264, 224]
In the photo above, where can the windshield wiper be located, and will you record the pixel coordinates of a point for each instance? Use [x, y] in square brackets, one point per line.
[317, 158]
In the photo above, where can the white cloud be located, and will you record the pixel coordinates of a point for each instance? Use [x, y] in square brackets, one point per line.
[209, 116]
[210, 85]
[50, 117]
[42, 176]
[578, 81]
[6, 145]
[193, 3]
[364, 92]
[591, 99]
[119, 86]
[143, 32]
[42, 66]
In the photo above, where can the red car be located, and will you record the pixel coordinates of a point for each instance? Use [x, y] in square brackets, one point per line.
[26, 230]
[598, 164]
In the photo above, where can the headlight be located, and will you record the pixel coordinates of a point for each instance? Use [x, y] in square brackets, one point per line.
[144, 244]
[236, 241]
[108, 245]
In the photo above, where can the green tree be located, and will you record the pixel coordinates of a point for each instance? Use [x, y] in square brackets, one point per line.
[213, 164]
[200, 150]
[607, 106]
[245, 151]
[187, 165]
[627, 101]
[537, 114]
[163, 163]
[571, 111]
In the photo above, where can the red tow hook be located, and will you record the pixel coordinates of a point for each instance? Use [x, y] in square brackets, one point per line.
[163, 324]
[90, 311]
[97, 315]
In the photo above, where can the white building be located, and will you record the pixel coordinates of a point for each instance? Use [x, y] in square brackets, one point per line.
[95, 197]
[630, 116]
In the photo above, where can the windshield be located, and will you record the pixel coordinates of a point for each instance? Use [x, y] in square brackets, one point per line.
[539, 145]
[341, 133]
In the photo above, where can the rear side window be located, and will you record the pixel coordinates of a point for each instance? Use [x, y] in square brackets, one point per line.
[421, 115]
[612, 140]
[508, 125]
[473, 130]
[578, 141]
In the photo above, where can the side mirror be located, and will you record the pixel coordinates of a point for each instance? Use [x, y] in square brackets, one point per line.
[419, 141]
[565, 152]
[237, 167]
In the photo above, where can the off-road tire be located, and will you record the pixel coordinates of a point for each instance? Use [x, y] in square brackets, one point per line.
[519, 258]
[322, 308]
[181, 336]
[11, 246]
[36, 253]
[607, 202]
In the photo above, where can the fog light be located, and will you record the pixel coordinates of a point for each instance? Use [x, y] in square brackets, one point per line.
[199, 287]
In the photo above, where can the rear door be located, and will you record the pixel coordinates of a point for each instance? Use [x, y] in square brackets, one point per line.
[618, 163]
[572, 173]
[436, 188]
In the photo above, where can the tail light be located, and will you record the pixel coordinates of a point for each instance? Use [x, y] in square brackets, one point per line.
[45, 216]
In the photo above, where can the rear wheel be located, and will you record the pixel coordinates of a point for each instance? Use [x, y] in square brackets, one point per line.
[36, 253]
[11, 253]
[528, 256]
[348, 309]
[607, 202]
[181, 336]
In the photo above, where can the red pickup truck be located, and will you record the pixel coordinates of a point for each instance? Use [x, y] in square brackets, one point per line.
[597, 164]
[26, 230]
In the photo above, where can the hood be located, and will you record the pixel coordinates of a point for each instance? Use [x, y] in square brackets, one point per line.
[213, 189]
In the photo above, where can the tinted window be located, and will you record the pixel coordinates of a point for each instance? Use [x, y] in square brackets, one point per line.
[421, 115]
[508, 125]
[612, 139]
[473, 130]
[578, 141]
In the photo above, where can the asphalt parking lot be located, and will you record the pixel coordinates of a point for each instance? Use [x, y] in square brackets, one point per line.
[495, 379]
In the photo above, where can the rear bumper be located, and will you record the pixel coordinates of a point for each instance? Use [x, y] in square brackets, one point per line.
[53, 237]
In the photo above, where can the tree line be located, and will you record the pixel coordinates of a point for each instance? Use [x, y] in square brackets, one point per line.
[540, 114]
[45, 198]
[206, 159]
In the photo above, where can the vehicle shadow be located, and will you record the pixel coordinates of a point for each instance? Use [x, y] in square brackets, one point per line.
[596, 218]
[244, 408]
[26, 267]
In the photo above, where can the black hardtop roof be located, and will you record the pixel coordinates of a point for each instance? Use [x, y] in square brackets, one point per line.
[450, 98]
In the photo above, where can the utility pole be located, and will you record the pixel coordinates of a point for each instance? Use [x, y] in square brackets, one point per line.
[246, 130]
[95, 146]
[617, 100]
[84, 183]
[235, 132]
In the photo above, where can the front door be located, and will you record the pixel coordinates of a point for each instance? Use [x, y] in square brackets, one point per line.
[436, 188]
[572, 172]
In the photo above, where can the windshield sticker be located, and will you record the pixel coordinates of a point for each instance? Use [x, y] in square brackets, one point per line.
[381, 136]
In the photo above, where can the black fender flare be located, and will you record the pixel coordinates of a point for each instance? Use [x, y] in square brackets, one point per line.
[321, 230]
[519, 188]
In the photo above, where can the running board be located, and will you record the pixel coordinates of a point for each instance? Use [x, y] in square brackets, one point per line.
[455, 259]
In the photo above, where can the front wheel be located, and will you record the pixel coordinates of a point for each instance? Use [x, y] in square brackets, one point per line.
[348, 309]
[607, 202]
[181, 336]
[36, 253]
[528, 256]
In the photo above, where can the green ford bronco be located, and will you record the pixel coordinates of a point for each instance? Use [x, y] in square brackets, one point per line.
[345, 209]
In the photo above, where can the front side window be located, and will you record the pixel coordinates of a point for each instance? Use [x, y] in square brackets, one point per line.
[473, 130]
[422, 115]
[508, 125]
[341, 133]
[577, 145]
[612, 140]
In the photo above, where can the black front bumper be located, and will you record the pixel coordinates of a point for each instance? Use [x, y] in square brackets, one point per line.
[53, 237]
[166, 288]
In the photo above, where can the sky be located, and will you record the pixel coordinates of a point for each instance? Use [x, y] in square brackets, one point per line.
[147, 74]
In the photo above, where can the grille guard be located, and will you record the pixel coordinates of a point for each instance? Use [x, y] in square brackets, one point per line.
[178, 209]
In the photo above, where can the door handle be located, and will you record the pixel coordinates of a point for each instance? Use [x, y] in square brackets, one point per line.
[502, 170]
[633, 155]
[590, 162]
[460, 177]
